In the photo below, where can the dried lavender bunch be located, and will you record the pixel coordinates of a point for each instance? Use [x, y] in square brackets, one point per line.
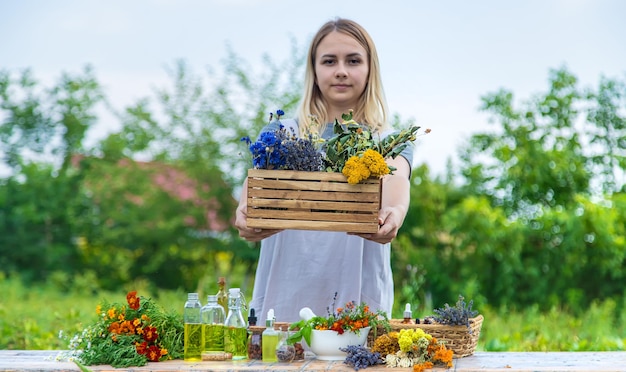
[460, 314]
[299, 153]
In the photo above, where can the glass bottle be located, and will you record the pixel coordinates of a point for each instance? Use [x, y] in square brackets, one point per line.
[285, 353]
[408, 315]
[213, 318]
[255, 334]
[222, 294]
[270, 338]
[235, 330]
[192, 339]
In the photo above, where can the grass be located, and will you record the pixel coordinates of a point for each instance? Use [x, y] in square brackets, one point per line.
[32, 318]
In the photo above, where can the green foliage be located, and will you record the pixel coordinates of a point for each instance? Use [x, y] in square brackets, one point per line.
[100, 210]
[599, 328]
[534, 215]
[351, 140]
[535, 220]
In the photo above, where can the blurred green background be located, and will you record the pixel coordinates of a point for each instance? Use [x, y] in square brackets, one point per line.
[529, 225]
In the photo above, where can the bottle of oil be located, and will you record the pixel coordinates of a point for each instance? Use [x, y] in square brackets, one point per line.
[270, 338]
[235, 329]
[213, 318]
[193, 342]
[222, 294]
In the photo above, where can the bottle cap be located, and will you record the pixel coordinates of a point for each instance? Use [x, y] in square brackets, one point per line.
[234, 292]
[252, 317]
[211, 298]
[269, 320]
[407, 311]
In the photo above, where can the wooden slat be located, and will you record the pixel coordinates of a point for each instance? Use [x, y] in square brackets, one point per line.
[357, 227]
[285, 184]
[341, 207]
[367, 197]
[307, 215]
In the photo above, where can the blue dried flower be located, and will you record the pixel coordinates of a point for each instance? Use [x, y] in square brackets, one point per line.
[268, 138]
[282, 149]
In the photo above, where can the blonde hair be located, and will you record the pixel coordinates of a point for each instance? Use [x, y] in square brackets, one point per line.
[371, 107]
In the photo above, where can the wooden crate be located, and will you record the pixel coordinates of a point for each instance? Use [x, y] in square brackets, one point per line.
[284, 199]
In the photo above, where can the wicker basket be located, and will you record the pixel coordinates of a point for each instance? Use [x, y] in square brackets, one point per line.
[461, 340]
[285, 199]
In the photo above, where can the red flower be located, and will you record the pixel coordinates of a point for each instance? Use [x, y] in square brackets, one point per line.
[142, 348]
[150, 334]
[133, 300]
[154, 353]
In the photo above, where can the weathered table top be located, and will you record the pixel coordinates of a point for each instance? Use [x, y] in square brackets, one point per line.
[44, 360]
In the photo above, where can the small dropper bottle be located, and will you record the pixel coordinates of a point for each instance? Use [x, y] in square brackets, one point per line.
[408, 315]
[270, 338]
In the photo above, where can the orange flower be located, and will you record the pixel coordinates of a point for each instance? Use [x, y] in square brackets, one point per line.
[111, 313]
[114, 327]
[422, 366]
[133, 300]
[444, 356]
[127, 327]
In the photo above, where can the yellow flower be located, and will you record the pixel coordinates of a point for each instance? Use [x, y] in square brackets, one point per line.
[355, 170]
[405, 341]
[375, 162]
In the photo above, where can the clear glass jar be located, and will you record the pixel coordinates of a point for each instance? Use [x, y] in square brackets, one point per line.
[255, 342]
[192, 339]
[213, 318]
[285, 353]
[235, 329]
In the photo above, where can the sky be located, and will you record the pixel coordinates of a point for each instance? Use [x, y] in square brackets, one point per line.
[437, 57]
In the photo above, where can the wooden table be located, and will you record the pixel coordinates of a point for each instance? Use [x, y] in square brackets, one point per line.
[44, 360]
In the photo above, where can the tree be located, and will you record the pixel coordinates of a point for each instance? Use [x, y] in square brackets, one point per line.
[154, 219]
[538, 159]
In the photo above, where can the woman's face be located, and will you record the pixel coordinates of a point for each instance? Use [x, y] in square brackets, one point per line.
[341, 71]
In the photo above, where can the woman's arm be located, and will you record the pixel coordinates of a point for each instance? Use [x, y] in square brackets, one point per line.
[252, 235]
[395, 202]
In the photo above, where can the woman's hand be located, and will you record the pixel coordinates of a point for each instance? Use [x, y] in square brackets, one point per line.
[395, 203]
[390, 220]
[241, 220]
[251, 235]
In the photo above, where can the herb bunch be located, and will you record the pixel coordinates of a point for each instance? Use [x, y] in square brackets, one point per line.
[358, 356]
[412, 348]
[283, 149]
[352, 317]
[352, 150]
[459, 314]
[129, 334]
[355, 152]
[351, 139]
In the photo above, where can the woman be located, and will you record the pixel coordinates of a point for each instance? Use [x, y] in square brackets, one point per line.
[298, 268]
